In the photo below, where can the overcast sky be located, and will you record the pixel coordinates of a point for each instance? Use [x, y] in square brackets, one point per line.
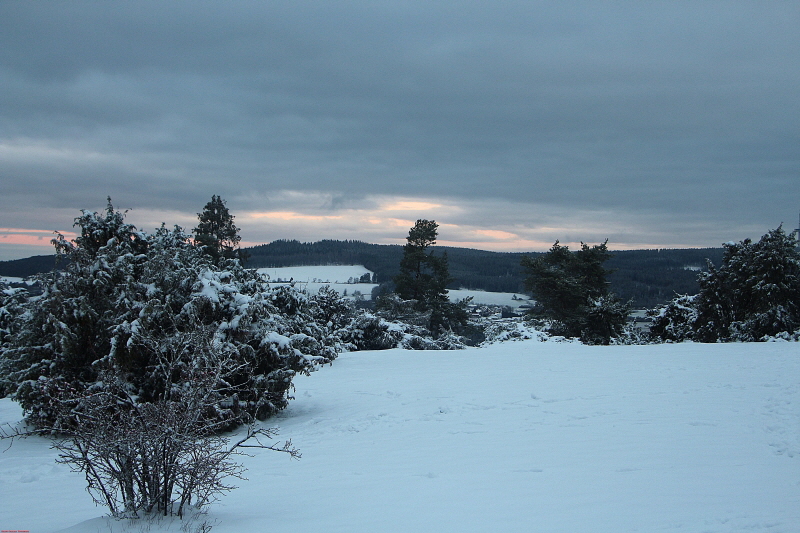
[510, 123]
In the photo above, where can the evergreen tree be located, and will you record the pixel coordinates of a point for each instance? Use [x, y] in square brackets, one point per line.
[571, 291]
[423, 276]
[423, 281]
[753, 294]
[217, 233]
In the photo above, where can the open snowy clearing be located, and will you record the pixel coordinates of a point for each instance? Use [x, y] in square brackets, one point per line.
[522, 436]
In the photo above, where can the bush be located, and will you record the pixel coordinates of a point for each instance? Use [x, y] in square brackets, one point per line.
[369, 332]
[151, 308]
[675, 321]
[150, 458]
[754, 295]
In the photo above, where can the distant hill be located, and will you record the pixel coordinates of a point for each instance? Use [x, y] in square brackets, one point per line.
[653, 277]
[648, 277]
[22, 268]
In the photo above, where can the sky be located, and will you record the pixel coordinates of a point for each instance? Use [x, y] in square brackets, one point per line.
[511, 123]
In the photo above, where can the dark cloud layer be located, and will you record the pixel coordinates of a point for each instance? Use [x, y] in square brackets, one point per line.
[680, 118]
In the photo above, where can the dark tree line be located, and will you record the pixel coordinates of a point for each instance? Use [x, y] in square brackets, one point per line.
[647, 277]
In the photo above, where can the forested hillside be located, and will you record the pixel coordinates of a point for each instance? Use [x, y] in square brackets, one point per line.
[649, 277]
[21, 268]
[653, 277]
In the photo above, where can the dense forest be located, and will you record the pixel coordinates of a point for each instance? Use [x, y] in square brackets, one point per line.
[648, 277]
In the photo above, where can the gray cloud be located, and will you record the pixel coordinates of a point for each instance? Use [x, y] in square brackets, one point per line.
[675, 117]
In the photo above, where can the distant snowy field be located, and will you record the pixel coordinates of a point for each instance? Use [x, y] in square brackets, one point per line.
[517, 437]
[313, 277]
[338, 274]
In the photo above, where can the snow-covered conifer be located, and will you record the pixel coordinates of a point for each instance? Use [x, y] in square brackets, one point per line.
[753, 295]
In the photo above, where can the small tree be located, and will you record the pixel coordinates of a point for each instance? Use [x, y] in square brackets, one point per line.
[154, 457]
[571, 291]
[217, 233]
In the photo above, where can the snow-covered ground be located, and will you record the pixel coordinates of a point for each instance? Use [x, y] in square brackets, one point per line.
[490, 298]
[313, 277]
[339, 274]
[514, 437]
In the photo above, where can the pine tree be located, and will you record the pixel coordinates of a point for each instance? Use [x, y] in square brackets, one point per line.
[423, 281]
[217, 233]
[423, 276]
[571, 291]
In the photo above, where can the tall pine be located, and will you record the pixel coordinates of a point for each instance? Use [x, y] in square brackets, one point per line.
[423, 276]
[216, 233]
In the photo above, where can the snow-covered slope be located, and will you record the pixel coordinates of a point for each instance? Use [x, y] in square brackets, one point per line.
[312, 278]
[322, 274]
[515, 437]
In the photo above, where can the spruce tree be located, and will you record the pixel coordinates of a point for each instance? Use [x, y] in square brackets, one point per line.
[423, 280]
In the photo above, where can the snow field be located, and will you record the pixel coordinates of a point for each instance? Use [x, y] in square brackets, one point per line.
[549, 437]
[312, 278]
[521, 436]
[327, 274]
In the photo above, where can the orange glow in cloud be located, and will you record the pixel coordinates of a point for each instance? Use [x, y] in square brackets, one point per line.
[497, 234]
[30, 237]
[398, 222]
[409, 205]
[517, 245]
[28, 240]
[291, 215]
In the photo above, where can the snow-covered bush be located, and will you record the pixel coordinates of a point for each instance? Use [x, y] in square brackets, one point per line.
[438, 327]
[150, 308]
[369, 332]
[675, 321]
[445, 341]
[11, 300]
[512, 329]
[754, 295]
